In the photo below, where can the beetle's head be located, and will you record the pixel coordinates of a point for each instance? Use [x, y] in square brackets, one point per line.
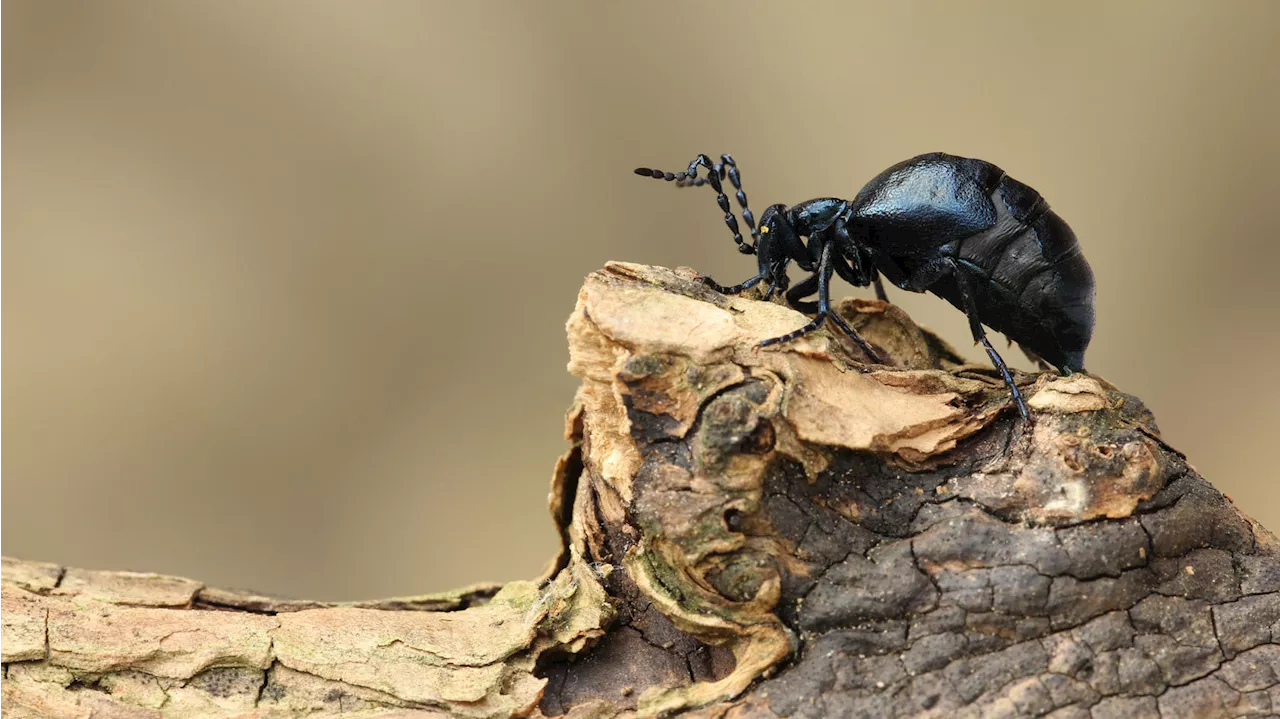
[774, 226]
[770, 218]
[773, 242]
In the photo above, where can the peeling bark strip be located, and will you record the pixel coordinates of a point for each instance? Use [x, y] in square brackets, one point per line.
[785, 532]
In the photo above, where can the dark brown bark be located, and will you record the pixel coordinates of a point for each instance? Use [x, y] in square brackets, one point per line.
[786, 532]
[887, 542]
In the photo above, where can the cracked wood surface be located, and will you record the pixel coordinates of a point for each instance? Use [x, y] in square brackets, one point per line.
[91, 644]
[787, 532]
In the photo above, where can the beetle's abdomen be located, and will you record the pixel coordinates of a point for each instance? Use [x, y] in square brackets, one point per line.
[1023, 262]
[1034, 283]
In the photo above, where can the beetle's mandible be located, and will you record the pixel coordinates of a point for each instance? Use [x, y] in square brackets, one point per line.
[957, 227]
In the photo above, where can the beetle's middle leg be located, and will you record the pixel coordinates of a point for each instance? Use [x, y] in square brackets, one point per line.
[732, 290]
[823, 276]
[851, 275]
[796, 295]
[825, 269]
[849, 262]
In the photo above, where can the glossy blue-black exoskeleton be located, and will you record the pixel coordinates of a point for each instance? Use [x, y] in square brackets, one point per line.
[954, 226]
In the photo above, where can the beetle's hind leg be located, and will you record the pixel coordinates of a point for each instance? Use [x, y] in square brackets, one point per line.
[880, 294]
[1004, 373]
[980, 335]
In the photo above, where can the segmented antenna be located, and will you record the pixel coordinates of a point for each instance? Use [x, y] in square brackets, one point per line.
[727, 163]
[715, 173]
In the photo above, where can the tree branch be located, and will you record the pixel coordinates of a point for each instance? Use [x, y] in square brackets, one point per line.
[786, 532]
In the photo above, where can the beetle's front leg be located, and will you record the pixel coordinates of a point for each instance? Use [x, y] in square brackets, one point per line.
[731, 290]
[780, 282]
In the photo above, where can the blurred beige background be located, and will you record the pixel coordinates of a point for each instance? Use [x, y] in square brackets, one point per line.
[284, 284]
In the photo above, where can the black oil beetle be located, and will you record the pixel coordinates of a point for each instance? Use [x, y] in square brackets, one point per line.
[957, 227]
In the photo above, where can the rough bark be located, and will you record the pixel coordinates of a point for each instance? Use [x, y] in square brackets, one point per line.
[787, 532]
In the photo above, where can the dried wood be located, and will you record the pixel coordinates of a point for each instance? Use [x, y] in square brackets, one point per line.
[785, 532]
